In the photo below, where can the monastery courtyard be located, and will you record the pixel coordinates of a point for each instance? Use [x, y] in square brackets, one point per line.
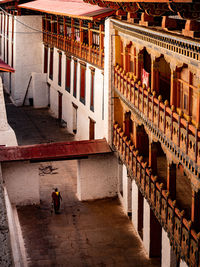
[92, 233]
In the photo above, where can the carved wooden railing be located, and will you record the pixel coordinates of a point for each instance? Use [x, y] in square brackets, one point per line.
[177, 44]
[183, 238]
[90, 54]
[171, 128]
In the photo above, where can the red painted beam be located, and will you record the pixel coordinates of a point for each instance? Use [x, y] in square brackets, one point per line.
[56, 151]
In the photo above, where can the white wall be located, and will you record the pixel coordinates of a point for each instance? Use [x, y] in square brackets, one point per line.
[97, 177]
[135, 204]
[7, 135]
[108, 79]
[17, 244]
[146, 227]
[126, 190]
[168, 257]
[83, 111]
[22, 182]
[40, 90]
[27, 55]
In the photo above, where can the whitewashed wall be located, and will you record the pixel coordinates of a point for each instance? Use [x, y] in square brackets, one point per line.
[7, 135]
[22, 182]
[27, 55]
[83, 111]
[93, 181]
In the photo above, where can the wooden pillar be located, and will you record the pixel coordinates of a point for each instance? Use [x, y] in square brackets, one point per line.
[171, 179]
[81, 30]
[198, 106]
[153, 157]
[153, 75]
[58, 32]
[140, 66]
[173, 93]
[189, 94]
[101, 42]
[90, 38]
[72, 35]
[195, 210]
[65, 32]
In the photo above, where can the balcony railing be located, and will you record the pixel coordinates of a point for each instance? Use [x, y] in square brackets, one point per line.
[183, 238]
[179, 135]
[88, 53]
[186, 47]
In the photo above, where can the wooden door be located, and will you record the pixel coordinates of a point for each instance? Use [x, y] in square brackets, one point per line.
[59, 106]
[92, 130]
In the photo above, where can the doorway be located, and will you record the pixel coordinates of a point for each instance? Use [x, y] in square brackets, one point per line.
[74, 114]
[59, 106]
[91, 129]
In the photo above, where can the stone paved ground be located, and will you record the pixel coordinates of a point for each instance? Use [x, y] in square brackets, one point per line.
[34, 126]
[94, 233]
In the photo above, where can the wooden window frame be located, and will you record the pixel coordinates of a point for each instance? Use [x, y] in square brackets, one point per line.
[68, 73]
[75, 78]
[82, 82]
[92, 78]
[51, 63]
[59, 68]
[46, 51]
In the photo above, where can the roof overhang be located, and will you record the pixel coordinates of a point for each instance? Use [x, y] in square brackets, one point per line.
[5, 67]
[55, 151]
[76, 9]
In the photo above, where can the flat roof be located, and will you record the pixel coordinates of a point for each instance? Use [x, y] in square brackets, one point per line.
[70, 8]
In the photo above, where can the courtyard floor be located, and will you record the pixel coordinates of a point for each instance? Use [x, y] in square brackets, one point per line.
[92, 233]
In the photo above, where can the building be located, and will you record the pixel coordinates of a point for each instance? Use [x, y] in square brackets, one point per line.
[130, 73]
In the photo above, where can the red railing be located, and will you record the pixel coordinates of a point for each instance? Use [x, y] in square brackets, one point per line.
[184, 240]
[88, 53]
[174, 128]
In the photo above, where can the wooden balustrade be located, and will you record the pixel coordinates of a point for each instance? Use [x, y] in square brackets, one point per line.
[173, 127]
[83, 51]
[183, 238]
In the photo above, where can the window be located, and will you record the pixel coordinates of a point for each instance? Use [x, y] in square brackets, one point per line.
[51, 64]
[7, 40]
[68, 73]
[95, 39]
[59, 68]
[75, 77]
[82, 82]
[92, 89]
[75, 108]
[45, 59]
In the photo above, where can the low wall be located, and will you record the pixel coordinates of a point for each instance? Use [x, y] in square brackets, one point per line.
[5, 245]
[97, 177]
[22, 182]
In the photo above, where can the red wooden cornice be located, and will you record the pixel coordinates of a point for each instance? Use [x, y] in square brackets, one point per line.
[187, 9]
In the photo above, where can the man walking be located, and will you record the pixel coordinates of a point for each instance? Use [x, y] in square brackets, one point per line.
[56, 197]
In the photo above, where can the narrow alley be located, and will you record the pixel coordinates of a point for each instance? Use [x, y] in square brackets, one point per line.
[90, 233]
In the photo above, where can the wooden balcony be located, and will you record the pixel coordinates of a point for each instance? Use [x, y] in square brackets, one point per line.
[179, 135]
[83, 51]
[183, 238]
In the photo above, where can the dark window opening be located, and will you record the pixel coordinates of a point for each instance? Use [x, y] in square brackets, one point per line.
[82, 84]
[68, 73]
[60, 69]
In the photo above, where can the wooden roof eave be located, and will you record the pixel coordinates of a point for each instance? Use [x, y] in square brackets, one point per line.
[103, 15]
